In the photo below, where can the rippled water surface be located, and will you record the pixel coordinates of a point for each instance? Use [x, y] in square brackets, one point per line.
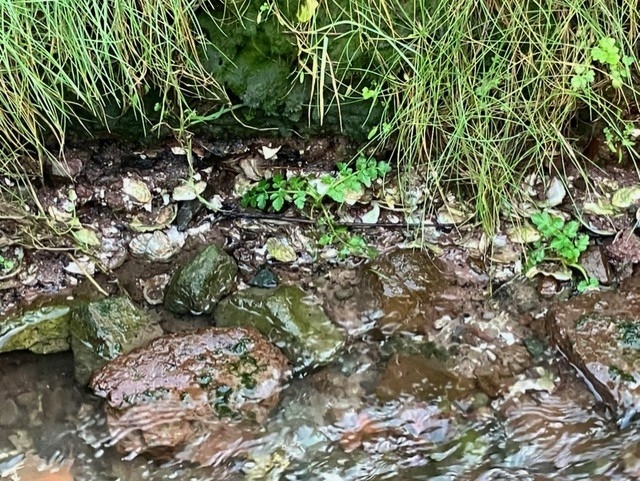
[331, 425]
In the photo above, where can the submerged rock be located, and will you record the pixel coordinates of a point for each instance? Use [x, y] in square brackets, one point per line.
[102, 330]
[422, 378]
[290, 318]
[43, 331]
[198, 286]
[211, 386]
[411, 290]
[600, 335]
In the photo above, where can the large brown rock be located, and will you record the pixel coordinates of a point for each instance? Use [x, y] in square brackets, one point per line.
[599, 333]
[410, 290]
[209, 385]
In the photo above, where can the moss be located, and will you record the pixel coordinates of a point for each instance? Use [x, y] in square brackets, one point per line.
[616, 372]
[629, 333]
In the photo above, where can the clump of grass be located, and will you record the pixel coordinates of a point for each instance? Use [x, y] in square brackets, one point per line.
[67, 61]
[475, 92]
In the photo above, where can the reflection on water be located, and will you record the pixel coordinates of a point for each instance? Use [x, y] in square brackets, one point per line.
[329, 426]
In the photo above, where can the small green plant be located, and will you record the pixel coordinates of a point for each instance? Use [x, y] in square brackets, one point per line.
[584, 76]
[608, 54]
[561, 242]
[617, 141]
[308, 194]
[350, 244]
[263, 13]
[6, 265]
[304, 192]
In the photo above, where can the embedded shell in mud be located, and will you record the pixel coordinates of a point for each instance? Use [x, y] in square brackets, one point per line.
[157, 246]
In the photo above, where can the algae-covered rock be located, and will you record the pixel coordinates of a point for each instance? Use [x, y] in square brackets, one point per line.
[289, 317]
[44, 330]
[198, 285]
[599, 333]
[102, 330]
[195, 395]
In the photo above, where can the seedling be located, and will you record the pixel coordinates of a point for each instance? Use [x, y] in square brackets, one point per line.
[303, 192]
[560, 242]
[6, 265]
[614, 63]
[350, 245]
[308, 194]
[608, 54]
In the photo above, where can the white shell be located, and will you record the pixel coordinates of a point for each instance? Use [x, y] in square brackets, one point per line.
[136, 189]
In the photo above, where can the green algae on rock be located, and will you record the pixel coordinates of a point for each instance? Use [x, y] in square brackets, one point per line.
[197, 286]
[43, 331]
[102, 330]
[289, 318]
[189, 394]
[599, 333]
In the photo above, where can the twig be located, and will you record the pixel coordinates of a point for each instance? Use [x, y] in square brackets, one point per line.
[302, 220]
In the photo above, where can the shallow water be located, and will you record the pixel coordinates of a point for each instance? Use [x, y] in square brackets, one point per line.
[329, 426]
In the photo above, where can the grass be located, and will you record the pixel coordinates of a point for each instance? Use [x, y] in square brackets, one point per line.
[67, 61]
[476, 93]
[473, 93]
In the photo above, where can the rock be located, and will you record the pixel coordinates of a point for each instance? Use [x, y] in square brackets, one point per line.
[198, 286]
[411, 290]
[625, 247]
[102, 330]
[596, 263]
[214, 382]
[422, 378]
[44, 330]
[290, 318]
[599, 333]
[264, 278]
[157, 246]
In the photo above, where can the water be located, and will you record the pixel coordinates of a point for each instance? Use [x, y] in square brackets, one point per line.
[329, 426]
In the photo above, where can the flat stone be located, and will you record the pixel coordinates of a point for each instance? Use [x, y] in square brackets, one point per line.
[105, 329]
[42, 330]
[422, 378]
[9, 414]
[410, 290]
[599, 333]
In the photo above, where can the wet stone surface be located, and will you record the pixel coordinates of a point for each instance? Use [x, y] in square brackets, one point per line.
[290, 318]
[43, 330]
[600, 335]
[197, 286]
[410, 290]
[102, 330]
[213, 383]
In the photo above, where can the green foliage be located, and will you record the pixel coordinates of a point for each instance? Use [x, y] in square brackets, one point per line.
[6, 265]
[606, 53]
[472, 93]
[303, 192]
[348, 244]
[560, 241]
[310, 194]
[560, 238]
[617, 140]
